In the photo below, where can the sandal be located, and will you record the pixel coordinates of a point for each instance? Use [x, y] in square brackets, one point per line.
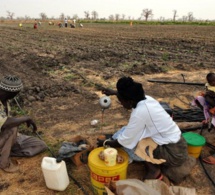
[160, 177]
[12, 167]
[164, 179]
[210, 159]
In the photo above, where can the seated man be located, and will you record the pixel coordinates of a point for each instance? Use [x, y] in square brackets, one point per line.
[11, 142]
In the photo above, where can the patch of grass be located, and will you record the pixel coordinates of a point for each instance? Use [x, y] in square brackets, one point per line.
[125, 66]
[71, 189]
[165, 68]
[165, 56]
[200, 64]
[70, 76]
[16, 111]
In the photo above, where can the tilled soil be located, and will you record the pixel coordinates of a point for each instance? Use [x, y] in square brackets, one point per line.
[63, 70]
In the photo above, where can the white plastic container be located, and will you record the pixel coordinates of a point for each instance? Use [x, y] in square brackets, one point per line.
[110, 155]
[55, 174]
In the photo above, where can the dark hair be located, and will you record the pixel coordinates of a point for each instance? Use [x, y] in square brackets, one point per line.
[128, 89]
[210, 76]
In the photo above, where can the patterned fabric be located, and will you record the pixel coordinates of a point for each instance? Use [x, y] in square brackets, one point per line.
[209, 87]
[11, 83]
[207, 115]
[3, 115]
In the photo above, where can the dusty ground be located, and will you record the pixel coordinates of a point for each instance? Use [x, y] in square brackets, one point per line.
[61, 70]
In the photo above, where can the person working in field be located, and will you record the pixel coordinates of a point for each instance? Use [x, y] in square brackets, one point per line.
[35, 24]
[206, 102]
[13, 143]
[65, 22]
[210, 92]
[151, 135]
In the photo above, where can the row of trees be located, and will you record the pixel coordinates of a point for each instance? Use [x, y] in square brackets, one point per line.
[145, 15]
[94, 16]
[148, 13]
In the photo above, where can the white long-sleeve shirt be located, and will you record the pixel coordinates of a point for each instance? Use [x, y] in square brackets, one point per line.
[149, 119]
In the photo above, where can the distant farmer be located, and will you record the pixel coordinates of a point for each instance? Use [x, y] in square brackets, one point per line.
[35, 24]
[51, 23]
[151, 135]
[13, 143]
[65, 22]
[74, 22]
[72, 26]
[60, 25]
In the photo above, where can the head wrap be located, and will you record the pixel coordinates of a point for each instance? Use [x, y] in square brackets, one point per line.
[128, 89]
[11, 83]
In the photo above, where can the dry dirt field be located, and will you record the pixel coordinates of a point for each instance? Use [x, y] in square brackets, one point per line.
[62, 68]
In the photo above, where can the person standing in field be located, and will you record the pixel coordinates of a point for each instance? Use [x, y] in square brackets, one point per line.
[65, 22]
[13, 143]
[74, 22]
[35, 24]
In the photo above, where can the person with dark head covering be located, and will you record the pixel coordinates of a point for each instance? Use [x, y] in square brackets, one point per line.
[11, 142]
[130, 91]
[210, 92]
[206, 102]
[151, 135]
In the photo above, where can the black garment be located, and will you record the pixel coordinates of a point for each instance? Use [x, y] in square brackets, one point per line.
[178, 163]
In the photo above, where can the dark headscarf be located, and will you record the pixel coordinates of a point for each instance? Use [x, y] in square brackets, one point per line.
[128, 89]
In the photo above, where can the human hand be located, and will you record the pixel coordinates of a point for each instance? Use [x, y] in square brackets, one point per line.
[108, 91]
[31, 123]
[100, 142]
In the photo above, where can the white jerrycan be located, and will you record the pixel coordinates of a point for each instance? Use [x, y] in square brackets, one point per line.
[55, 174]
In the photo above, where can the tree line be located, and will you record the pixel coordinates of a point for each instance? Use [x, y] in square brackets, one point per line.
[146, 15]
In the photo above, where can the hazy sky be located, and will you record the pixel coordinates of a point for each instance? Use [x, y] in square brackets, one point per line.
[201, 9]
